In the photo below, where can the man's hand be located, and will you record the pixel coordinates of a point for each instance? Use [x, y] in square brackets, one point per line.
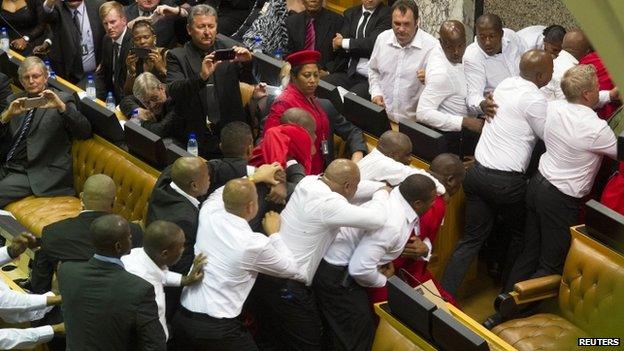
[50, 3]
[337, 41]
[54, 300]
[20, 243]
[271, 223]
[378, 100]
[42, 49]
[266, 174]
[59, 329]
[489, 107]
[614, 94]
[167, 11]
[53, 101]
[208, 67]
[259, 91]
[16, 108]
[277, 194]
[242, 54]
[387, 270]
[415, 248]
[19, 44]
[155, 60]
[473, 124]
[420, 74]
[357, 156]
[197, 273]
[140, 18]
[323, 73]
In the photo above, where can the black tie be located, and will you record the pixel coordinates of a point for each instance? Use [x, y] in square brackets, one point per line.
[147, 13]
[212, 104]
[115, 56]
[359, 34]
[22, 133]
[77, 23]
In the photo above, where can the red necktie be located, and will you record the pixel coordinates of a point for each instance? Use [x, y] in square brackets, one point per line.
[310, 36]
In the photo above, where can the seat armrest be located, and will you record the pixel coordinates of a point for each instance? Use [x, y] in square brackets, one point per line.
[538, 287]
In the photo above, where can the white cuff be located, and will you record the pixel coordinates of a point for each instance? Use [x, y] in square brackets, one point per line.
[291, 162]
[45, 333]
[173, 279]
[4, 255]
[345, 44]
[428, 243]
[603, 98]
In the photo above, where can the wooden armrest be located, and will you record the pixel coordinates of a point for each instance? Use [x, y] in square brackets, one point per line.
[539, 288]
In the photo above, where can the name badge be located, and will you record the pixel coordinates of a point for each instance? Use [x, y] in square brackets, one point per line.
[324, 147]
[85, 49]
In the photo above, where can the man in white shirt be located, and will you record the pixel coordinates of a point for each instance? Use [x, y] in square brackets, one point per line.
[397, 56]
[21, 307]
[208, 318]
[492, 58]
[544, 38]
[442, 104]
[366, 256]
[576, 139]
[163, 244]
[495, 186]
[311, 220]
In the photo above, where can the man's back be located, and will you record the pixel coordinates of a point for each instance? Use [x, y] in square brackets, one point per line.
[107, 308]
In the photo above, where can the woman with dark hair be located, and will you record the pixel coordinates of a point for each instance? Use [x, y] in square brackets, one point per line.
[144, 40]
[22, 19]
[300, 92]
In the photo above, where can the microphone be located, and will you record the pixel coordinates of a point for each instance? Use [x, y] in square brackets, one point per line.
[403, 271]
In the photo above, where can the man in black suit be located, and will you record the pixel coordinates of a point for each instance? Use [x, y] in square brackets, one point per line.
[314, 29]
[68, 240]
[5, 91]
[355, 42]
[116, 44]
[206, 92]
[105, 307]
[35, 144]
[76, 37]
[165, 26]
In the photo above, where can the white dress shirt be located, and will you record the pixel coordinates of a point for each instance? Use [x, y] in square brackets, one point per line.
[532, 36]
[442, 104]
[575, 138]
[380, 168]
[235, 255]
[561, 64]
[393, 69]
[140, 264]
[191, 199]
[314, 215]
[484, 73]
[362, 64]
[507, 142]
[16, 307]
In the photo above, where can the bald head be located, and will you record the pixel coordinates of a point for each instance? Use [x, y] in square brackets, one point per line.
[489, 20]
[240, 197]
[300, 117]
[453, 40]
[98, 193]
[191, 175]
[110, 235]
[537, 67]
[446, 164]
[395, 145]
[160, 236]
[452, 30]
[342, 170]
[576, 43]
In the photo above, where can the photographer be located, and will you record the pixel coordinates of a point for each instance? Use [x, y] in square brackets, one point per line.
[145, 56]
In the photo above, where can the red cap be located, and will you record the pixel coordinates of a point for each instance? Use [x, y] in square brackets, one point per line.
[303, 57]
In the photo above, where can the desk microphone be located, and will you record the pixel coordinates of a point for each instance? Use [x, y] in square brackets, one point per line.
[403, 271]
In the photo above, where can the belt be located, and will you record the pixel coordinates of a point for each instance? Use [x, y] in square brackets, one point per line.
[541, 179]
[340, 272]
[496, 171]
[201, 316]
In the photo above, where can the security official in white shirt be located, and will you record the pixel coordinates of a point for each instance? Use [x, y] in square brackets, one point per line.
[311, 220]
[495, 186]
[163, 245]
[442, 104]
[18, 307]
[366, 256]
[208, 318]
[397, 56]
[544, 38]
[576, 139]
[492, 58]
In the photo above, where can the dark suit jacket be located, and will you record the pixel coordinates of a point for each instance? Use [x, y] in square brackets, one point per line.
[107, 308]
[105, 74]
[168, 205]
[5, 91]
[68, 240]
[188, 91]
[164, 28]
[327, 24]
[379, 21]
[49, 141]
[65, 53]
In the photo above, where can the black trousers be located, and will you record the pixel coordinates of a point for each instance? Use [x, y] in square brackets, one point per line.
[345, 309]
[200, 332]
[287, 314]
[489, 194]
[357, 84]
[550, 214]
[14, 185]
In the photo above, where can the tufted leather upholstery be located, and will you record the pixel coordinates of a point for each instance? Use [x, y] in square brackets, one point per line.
[591, 302]
[93, 156]
[389, 339]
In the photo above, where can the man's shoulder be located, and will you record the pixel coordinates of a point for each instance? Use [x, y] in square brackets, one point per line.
[473, 52]
[385, 36]
[295, 18]
[331, 15]
[61, 227]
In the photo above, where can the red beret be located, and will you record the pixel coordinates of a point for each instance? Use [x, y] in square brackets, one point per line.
[303, 57]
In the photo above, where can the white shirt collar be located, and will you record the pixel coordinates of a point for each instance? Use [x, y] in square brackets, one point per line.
[410, 214]
[417, 41]
[80, 9]
[369, 11]
[191, 199]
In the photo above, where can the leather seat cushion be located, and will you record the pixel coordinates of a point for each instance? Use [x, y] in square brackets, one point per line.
[34, 213]
[389, 339]
[540, 332]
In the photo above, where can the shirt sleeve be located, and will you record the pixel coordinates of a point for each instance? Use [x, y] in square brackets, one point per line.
[373, 70]
[345, 44]
[437, 88]
[363, 266]
[173, 279]
[366, 189]
[536, 116]
[4, 255]
[427, 242]
[13, 338]
[603, 98]
[605, 142]
[396, 173]
[340, 213]
[475, 79]
[277, 260]
[17, 307]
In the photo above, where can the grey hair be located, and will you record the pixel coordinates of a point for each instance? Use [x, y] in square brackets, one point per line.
[200, 10]
[28, 63]
[577, 80]
[143, 84]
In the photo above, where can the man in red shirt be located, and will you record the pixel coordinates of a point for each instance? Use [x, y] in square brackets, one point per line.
[450, 171]
[604, 82]
[613, 194]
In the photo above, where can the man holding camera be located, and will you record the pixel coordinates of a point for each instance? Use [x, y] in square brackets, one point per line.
[116, 44]
[35, 138]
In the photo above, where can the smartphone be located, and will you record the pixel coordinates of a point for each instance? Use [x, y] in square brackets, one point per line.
[224, 55]
[141, 53]
[35, 102]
